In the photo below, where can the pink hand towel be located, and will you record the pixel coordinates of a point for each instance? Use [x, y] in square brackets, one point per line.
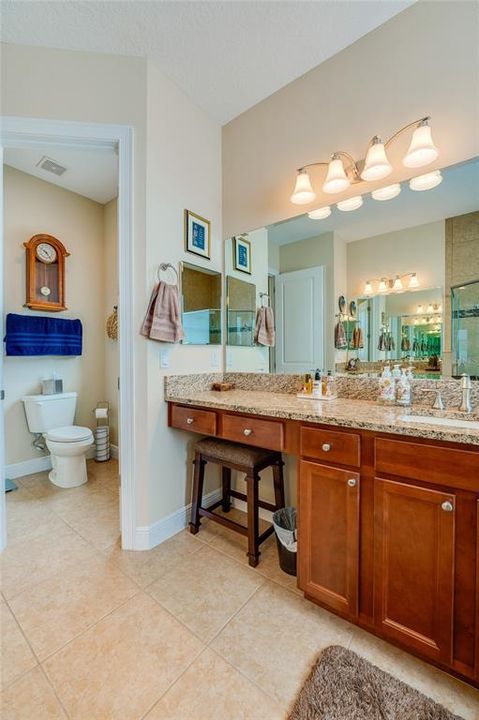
[264, 332]
[163, 318]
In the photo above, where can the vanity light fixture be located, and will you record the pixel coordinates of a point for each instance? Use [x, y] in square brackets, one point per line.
[397, 285]
[320, 213]
[413, 281]
[419, 310]
[368, 288]
[426, 182]
[386, 193]
[383, 285]
[342, 169]
[352, 203]
[387, 285]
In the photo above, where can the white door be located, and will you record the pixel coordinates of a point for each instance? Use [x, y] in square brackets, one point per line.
[300, 321]
[3, 519]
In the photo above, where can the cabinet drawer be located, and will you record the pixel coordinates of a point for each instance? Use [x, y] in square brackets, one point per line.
[200, 421]
[253, 431]
[331, 446]
[428, 463]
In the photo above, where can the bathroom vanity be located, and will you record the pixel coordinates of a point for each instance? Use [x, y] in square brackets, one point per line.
[388, 512]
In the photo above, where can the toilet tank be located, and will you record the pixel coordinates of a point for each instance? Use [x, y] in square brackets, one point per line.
[46, 412]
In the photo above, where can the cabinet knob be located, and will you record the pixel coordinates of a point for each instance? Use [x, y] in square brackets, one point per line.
[352, 482]
[247, 431]
[447, 506]
[326, 447]
[189, 421]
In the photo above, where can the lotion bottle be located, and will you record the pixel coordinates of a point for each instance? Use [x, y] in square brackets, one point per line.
[386, 387]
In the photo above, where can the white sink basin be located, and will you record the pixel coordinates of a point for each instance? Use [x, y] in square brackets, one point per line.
[448, 422]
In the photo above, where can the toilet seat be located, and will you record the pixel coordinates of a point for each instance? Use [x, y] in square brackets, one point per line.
[70, 434]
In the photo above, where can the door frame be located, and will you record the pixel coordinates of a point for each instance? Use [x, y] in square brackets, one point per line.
[30, 132]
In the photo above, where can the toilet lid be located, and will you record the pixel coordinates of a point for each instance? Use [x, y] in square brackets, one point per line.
[73, 433]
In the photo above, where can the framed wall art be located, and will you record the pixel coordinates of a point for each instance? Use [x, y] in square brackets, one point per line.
[242, 254]
[197, 235]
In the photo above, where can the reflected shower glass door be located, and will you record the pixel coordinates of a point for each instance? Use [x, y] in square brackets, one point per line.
[465, 329]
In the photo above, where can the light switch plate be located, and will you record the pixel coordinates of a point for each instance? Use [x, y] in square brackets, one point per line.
[164, 358]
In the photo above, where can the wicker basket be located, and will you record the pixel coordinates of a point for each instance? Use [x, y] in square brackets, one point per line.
[112, 324]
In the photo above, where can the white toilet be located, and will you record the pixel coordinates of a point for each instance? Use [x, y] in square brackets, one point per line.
[52, 416]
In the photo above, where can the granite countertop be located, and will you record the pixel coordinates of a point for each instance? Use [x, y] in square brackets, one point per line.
[343, 412]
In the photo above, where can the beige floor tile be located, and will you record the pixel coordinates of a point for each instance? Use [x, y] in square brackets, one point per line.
[98, 521]
[29, 561]
[455, 695]
[61, 607]
[275, 638]
[31, 698]
[144, 567]
[16, 656]
[120, 667]
[28, 518]
[204, 590]
[212, 689]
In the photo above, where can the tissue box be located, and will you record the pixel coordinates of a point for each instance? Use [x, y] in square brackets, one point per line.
[52, 387]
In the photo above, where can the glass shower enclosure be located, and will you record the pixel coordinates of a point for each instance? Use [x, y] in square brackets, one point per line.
[465, 329]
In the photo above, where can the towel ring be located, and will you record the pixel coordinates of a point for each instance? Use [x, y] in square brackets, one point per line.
[264, 295]
[162, 267]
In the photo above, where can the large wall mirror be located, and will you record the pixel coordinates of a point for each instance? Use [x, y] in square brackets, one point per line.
[201, 305]
[394, 280]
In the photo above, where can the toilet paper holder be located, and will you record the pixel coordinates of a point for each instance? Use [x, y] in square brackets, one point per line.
[102, 413]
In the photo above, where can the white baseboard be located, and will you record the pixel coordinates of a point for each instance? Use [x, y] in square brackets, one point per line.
[114, 452]
[263, 513]
[148, 536]
[28, 467]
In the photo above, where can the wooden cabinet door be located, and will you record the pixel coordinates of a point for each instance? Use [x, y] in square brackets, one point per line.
[328, 537]
[414, 567]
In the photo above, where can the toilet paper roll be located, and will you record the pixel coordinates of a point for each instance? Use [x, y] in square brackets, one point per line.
[101, 412]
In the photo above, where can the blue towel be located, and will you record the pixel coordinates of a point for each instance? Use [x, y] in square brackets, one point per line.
[33, 335]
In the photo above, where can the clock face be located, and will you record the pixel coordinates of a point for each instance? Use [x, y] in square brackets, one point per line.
[46, 252]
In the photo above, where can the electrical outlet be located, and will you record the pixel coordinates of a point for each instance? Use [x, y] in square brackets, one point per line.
[164, 358]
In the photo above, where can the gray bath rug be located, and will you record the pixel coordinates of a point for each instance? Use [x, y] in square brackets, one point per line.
[343, 686]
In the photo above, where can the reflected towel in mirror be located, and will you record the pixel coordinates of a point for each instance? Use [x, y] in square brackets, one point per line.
[264, 332]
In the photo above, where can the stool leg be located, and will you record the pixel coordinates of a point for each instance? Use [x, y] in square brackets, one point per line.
[198, 479]
[226, 475]
[252, 483]
[278, 485]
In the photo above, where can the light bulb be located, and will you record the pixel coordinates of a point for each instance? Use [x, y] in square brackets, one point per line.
[426, 182]
[383, 285]
[376, 165]
[397, 286]
[386, 193]
[350, 204]
[368, 288]
[419, 309]
[422, 150]
[320, 213]
[336, 179]
[413, 281]
[430, 308]
[303, 192]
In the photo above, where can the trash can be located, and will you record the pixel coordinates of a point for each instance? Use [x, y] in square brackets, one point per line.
[284, 522]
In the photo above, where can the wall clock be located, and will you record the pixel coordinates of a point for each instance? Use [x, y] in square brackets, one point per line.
[45, 257]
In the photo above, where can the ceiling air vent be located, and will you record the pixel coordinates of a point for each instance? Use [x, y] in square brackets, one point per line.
[50, 165]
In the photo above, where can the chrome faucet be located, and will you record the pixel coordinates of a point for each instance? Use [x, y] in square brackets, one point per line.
[438, 401]
[466, 389]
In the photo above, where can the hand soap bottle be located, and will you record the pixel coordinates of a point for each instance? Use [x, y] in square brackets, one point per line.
[317, 386]
[403, 390]
[387, 394]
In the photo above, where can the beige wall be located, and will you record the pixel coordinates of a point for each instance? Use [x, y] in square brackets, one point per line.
[33, 206]
[110, 298]
[423, 61]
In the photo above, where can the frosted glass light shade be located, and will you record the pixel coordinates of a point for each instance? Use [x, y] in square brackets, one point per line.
[422, 150]
[350, 204]
[376, 165]
[426, 182]
[413, 281]
[383, 286]
[336, 178]
[397, 286]
[320, 213]
[303, 192]
[368, 288]
[387, 193]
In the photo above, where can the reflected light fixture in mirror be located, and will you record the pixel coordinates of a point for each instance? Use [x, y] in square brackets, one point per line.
[376, 165]
[383, 285]
[386, 193]
[422, 150]
[397, 285]
[350, 204]
[426, 182]
[320, 213]
[336, 179]
[303, 191]
[368, 288]
[413, 281]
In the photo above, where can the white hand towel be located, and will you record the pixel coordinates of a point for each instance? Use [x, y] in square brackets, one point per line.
[264, 332]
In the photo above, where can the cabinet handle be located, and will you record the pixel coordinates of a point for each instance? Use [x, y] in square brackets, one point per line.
[247, 431]
[352, 482]
[326, 447]
[447, 506]
[189, 421]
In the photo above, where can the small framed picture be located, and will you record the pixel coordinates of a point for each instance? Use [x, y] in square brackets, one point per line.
[242, 255]
[197, 235]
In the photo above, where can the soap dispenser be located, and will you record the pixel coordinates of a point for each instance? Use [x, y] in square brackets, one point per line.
[403, 390]
[387, 387]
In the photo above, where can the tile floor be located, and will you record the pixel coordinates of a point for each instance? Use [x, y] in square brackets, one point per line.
[90, 632]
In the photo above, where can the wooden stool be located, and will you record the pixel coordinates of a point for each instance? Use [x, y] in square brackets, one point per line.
[245, 459]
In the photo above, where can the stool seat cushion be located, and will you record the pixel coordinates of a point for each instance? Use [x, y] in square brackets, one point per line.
[225, 452]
